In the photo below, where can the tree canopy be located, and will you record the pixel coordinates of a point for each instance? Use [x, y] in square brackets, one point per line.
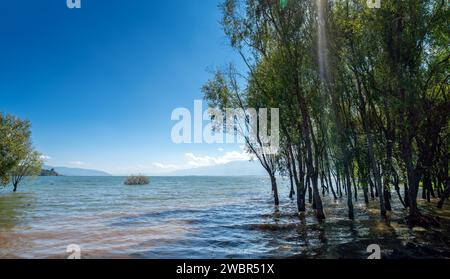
[17, 156]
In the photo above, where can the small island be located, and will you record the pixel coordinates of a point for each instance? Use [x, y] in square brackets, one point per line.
[137, 180]
[50, 172]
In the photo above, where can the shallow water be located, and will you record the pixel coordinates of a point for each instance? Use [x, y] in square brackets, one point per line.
[195, 217]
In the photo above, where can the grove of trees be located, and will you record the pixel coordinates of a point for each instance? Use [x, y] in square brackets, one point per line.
[363, 94]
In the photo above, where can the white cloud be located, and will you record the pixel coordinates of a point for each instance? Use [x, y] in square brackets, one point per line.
[164, 166]
[221, 149]
[205, 161]
[76, 163]
[45, 157]
[191, 161]
[150, 169]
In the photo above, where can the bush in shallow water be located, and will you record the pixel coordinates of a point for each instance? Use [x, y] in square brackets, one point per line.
[137, 180]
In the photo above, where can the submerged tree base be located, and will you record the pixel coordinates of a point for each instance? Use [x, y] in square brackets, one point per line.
[337, 237]
[422, 220]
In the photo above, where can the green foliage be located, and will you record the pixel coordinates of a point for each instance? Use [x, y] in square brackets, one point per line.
[18, 158]
[15, 144]
[28, 167]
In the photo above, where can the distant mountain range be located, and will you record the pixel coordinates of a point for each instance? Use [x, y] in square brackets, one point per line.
[64, 171]
[236, 168]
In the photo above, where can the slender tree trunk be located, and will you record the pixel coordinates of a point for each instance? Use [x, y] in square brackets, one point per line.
[366, 195]
[301, 193]
[291, 178]
[397, 188]
[330, 184]
[273, 181]
[427, 185]
[372, 194]
[365, 189]
[406, 194]
[387, 199]
[292, 192]
[351, 214]
[310, 197]
[355, 186]
[413, 178]
[338, 182]
[439, 187]
[445, 195]
[322, 183]
[387, 173]
[301, 189]
[433, 184]
[424, 191]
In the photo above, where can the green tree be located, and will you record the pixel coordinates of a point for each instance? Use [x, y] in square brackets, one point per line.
[15, 144]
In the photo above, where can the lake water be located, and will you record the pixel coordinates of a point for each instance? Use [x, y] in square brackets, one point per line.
[186, 217]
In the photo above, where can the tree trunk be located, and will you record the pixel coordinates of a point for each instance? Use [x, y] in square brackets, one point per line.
[397, 188]
[310, 197]
[387, 200]
[445, 195]
[355, 185]
[413, 179]
[413, 183]
[273, 181]
[351, 214]
[322, 183]
[291, 180]
[406, 195]
[372, 194]
[365, 190]
[387, 173]
[366, 195]
[427, 185]
[338, 182]
[301, 192]
[330, 182]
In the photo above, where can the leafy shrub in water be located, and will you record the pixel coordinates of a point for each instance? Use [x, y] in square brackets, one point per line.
[137, 180]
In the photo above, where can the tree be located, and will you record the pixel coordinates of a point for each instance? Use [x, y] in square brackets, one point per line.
[223, 93]
[15, 144]
[30, 166]
[18, 158]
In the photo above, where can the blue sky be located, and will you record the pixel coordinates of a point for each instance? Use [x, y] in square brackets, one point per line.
[99, 83]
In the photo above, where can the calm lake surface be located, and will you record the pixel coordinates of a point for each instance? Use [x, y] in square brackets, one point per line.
[194, 217]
